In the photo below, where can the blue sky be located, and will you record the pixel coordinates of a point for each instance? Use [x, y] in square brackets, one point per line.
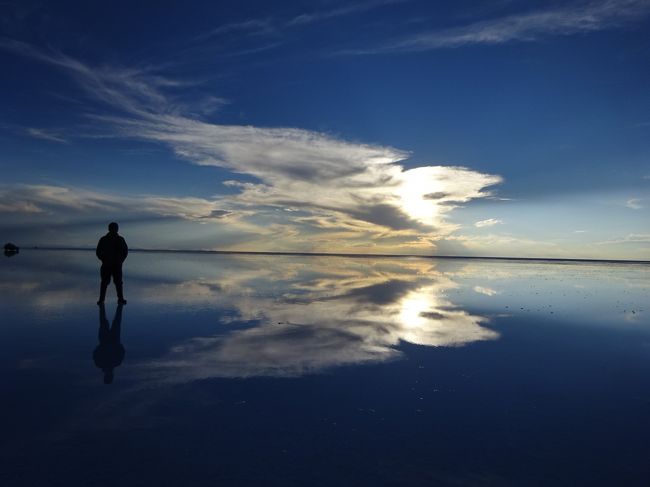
[496, 128]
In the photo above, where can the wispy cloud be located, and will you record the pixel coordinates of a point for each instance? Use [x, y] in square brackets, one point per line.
[136, 91]
[504, 245]
[45, 135]
[275, 26]
[631, 238]
[251, 26]
[487, 223]
[634, 204]
[44, 201]
[574, 18]
[348, 9]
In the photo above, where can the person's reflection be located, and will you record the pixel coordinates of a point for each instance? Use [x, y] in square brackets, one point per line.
[110, 351]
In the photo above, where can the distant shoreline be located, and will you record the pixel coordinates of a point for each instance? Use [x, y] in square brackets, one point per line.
[363, 256]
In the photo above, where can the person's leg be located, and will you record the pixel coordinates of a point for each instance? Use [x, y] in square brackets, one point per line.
[105, 273]
[117, 279]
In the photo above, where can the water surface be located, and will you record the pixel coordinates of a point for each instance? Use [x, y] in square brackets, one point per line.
[293, 370]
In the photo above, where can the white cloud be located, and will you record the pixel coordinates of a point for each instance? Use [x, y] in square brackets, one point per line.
[575, 18]
[634, 204]
[341, 186]
[485, 290]
[487, 223]
[318, 173]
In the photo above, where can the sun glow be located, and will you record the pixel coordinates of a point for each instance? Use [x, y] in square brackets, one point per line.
[417, 184]
[427, 318]
[412, 307]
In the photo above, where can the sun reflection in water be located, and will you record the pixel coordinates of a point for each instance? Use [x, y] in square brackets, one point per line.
[336, 317]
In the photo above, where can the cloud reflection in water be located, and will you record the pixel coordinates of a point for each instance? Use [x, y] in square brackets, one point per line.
[323, 316]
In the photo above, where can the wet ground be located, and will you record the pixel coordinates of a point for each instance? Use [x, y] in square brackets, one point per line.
[274, 370]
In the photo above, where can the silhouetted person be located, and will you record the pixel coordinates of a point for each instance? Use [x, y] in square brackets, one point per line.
[112, 251]
[110, 351]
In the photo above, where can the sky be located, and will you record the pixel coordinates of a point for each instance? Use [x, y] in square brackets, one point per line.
[497, 128]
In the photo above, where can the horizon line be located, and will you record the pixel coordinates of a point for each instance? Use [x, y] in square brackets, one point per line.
[365, 255]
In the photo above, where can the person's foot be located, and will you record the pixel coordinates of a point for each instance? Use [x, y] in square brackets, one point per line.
[121, 301]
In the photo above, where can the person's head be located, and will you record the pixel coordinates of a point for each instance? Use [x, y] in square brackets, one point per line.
[113, 227]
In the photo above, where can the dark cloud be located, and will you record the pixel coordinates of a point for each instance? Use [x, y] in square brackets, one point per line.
[436, 196]
[219, 214]
[386, 216]
[432, 315]
[384, 293]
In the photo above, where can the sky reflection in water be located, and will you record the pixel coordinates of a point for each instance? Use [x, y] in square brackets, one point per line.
[443, 354]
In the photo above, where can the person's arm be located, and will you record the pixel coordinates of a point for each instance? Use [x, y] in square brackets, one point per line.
[125, 250]
[99, 251]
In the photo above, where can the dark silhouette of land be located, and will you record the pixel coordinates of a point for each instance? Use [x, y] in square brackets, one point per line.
[112, 251]
[110, 351]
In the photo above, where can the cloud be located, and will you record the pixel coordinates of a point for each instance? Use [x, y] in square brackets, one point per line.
[487, 223]
[500, 245]
[263, 26]
[634, 204]
[341, 186]
[251, 26]
[44, 201]
[45, 135]
[575, 18]
[634, 238]
[306, 316]
[357, 315]
[138, 92]
[485, 290]
[348, 9]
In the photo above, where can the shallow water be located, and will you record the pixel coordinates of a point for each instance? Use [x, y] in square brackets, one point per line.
[280, 370]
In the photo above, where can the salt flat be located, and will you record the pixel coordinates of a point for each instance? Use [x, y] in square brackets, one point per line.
[298, 370]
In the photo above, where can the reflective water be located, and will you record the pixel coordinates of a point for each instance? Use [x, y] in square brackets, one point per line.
[254, 370]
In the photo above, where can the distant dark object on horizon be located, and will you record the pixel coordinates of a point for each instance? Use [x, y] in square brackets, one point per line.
[11, 249]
